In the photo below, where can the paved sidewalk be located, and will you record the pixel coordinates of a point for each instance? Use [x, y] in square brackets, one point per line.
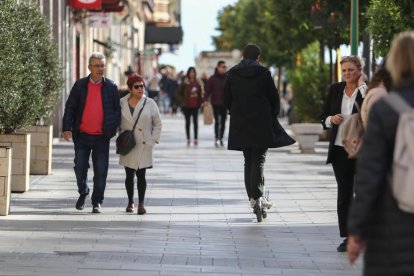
[198, 220]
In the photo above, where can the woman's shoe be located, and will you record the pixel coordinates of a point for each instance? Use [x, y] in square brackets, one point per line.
[130, 208]
[188, 143]
[141, 209]
[195, 142]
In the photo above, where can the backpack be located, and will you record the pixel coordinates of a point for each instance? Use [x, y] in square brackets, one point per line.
[403, 159]
[352, 132]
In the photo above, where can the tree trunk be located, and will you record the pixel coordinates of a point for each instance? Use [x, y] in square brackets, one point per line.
[279, 78]
[322, 55]
[366, 54]
[331, 69]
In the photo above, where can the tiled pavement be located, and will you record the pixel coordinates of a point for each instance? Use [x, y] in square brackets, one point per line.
[198, 220]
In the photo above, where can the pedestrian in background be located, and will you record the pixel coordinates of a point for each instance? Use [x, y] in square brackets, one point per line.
[253, 101]
[171, 85]
[339, 105]
[378, 87]
[376, 223]
[147, 133]
[154, 86]
[91, 118]
[214, 92]
[190, 94]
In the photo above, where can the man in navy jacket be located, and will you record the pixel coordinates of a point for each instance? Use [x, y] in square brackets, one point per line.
[91, 118]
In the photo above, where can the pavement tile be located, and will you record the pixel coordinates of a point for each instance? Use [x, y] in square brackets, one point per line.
[198, 219]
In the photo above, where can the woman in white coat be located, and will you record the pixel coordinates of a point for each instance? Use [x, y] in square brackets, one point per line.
[147, 134]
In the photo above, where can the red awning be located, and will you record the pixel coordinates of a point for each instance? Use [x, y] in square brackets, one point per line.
[86, 4]
[97, 5]
[112, 5]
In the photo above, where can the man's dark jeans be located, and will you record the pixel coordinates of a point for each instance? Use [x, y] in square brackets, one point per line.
[220, 116]
[254, 160]
[99, 146]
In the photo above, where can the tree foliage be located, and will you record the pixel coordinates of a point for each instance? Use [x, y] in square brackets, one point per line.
[309, 84]
[386, 19]
[282, 28]
[30, 76]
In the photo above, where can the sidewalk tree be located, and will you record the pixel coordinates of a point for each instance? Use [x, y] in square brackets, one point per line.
[240, 24]
[309, 84]
[386, 19]
[30, 76]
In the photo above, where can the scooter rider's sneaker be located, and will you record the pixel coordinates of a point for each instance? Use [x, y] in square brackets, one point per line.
[265, 203]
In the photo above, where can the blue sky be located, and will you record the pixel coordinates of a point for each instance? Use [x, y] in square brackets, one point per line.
[198, 20]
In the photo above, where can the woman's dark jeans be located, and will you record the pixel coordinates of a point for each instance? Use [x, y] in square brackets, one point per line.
[99, 146]
[188, 113]
[254, 160]
[129, 184]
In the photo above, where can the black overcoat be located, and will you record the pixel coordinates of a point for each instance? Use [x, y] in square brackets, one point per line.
[374, 214]
[253, 101]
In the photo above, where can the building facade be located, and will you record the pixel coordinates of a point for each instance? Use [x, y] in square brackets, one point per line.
[117, 28]
[206, 62]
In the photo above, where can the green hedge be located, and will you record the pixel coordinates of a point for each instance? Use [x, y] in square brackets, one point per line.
[309, 85]
[30, 74]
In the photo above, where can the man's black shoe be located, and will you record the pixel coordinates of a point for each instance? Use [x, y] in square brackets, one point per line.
[342, 246]
[96, 208]
[80, 204]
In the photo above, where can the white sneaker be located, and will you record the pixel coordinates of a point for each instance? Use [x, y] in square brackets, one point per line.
[265, 203]
[217, 143]
[252, 202]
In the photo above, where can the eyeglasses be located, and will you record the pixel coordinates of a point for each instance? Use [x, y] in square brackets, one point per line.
[137, 86]
[223, 66]
[98, 66]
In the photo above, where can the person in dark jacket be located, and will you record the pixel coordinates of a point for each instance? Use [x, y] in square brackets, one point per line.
[338, 107]
[214, 92]
[91, 118]
[253, 101]
[375, 221]
[171, 85]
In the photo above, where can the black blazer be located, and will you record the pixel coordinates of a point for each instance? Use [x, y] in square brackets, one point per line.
[332, 107]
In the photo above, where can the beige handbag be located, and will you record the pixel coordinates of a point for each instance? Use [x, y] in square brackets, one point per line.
[208, 113]
[352, 132]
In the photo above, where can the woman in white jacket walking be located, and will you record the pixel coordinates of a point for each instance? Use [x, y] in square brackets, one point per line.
[147, 134]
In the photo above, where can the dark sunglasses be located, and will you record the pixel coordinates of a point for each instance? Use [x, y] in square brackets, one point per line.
[138, 86]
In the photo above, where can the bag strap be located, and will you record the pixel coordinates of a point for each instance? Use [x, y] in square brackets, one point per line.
[397, 103]
[139, 114]
[358, 108]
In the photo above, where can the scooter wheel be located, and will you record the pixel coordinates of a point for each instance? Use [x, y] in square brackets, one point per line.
[258, 213]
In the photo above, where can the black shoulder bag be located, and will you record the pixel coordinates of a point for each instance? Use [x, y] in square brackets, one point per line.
[126, 140]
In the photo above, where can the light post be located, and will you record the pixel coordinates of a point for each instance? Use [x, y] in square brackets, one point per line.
[354, 27]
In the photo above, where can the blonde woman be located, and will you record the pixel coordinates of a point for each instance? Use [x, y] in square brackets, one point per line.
[339, 105]
[376, 224]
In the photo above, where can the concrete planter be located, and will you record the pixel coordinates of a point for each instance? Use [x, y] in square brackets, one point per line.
[306, 135]
[5, 174]
[40, 149]
[20, 142]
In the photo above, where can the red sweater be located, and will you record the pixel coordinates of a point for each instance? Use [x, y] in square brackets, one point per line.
[92, 118]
